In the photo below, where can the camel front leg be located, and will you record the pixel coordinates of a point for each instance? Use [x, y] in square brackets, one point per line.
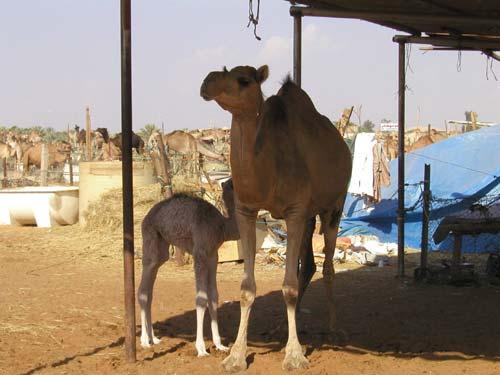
[145, 298]
[294, 356]
[236, 361]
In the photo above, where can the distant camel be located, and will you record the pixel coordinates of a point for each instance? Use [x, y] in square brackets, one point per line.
[186, 144]
[58, 154]
[426, 140]
[137, 142]
[6, 151]
[290, 160]
[199, 228]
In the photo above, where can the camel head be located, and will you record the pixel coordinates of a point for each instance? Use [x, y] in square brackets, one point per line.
[237, 90]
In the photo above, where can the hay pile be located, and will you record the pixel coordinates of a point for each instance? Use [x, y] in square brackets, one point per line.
[105, 214]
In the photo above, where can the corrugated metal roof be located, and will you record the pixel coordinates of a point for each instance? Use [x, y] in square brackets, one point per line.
[454, 20]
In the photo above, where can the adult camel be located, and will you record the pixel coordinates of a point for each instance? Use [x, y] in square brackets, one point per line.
[186, 144]
[290, 160]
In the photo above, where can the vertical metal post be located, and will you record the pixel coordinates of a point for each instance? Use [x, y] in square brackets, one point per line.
[127, 187]
[401, 159]
[425, 217]
[297, 49]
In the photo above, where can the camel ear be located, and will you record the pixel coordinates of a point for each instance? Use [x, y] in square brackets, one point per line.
[262, 73]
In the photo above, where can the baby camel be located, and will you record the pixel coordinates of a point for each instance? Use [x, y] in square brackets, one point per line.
[200, 229]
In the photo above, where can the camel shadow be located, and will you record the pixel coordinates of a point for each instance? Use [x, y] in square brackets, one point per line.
[376, 313]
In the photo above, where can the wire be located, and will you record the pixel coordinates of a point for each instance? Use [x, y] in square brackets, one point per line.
[453, 164]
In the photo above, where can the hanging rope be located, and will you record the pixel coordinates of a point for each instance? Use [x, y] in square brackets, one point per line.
[489, 67]
[252, 19]
[459, 61]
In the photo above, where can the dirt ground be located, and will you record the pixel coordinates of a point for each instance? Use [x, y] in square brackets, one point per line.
[61, 312]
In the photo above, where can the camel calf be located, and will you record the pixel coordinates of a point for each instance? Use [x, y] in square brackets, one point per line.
[196, 226]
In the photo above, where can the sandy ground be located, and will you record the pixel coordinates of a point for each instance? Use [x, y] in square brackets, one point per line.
[61, 312]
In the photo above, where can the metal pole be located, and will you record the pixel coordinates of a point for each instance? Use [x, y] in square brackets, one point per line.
[128, 207]
[297, 49]
[425, 217]
[401, 160]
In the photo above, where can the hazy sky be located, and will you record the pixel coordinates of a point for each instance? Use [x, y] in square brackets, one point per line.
[58, 56]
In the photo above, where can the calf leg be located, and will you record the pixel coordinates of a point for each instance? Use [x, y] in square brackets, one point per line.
[155, 253]
[201, 275]
[213, 301]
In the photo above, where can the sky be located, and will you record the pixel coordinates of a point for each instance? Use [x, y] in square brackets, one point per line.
[59, 56]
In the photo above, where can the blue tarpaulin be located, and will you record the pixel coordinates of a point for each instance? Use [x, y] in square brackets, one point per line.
[465, 169]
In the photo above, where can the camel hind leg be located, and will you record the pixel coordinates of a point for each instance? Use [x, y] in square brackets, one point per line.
[307, 266]
[213, 301]
[155, 253]
[201, 271]
[330, 224]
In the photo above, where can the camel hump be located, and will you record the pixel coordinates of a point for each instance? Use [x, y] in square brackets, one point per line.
[273, 124]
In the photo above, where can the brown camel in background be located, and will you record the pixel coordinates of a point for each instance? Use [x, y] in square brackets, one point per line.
[290, 160]
[184, 143]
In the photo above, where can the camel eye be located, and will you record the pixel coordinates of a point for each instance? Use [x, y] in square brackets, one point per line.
[243, 81]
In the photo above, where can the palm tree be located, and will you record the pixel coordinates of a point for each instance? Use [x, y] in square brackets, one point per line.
[147, 130]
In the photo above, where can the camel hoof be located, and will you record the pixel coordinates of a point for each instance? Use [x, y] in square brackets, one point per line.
[145, 342]
[156, 340]
[222, 348]
[203, 354]
[294, 359]
[234, 363]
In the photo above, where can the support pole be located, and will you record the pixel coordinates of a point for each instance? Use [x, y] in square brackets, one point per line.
[401, 160]
[127, 187]
[425, 217]
[297, 49]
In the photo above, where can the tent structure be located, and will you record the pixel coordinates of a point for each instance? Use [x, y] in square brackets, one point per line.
[445, 24]
[464, 170]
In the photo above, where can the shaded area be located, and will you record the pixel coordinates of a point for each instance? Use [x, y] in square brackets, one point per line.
[376, 313]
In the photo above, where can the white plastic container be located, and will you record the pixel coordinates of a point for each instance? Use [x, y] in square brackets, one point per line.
[44, 206]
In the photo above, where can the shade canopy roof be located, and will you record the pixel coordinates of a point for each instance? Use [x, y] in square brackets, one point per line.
[460, 24]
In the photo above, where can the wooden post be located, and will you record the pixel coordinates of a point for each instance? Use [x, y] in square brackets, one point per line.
[425, 217]
[44, 164]
[88, 138]
[164, 168]
[4, 165]
[70, 160]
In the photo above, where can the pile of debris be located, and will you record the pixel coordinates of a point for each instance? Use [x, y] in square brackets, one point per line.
[364, 250]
